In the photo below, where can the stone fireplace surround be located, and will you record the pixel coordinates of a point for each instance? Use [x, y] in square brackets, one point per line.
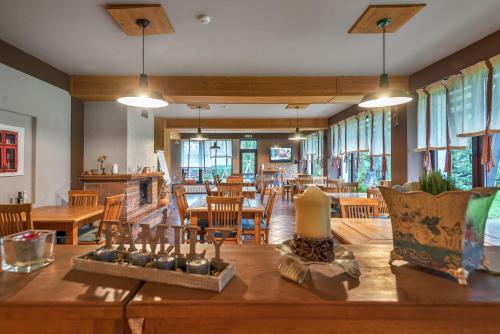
[129, 184]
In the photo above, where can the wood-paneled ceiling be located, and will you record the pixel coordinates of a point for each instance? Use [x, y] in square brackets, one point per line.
[215, 89]
[245, 38]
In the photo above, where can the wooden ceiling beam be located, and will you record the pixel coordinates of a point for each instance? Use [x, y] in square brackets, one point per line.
[233, 90]
[246, 123]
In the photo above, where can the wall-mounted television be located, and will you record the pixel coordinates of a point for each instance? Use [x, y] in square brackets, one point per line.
[280, 154]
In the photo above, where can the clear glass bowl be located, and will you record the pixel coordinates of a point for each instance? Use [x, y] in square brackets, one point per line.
[27, 251]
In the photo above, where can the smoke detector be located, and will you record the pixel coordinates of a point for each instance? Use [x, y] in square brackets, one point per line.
[204, 19]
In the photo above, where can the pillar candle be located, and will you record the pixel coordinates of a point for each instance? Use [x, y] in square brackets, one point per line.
[312, 214]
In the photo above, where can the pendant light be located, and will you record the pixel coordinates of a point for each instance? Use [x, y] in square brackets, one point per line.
[214, 149]
[384, 96]
[297, 136]
[143, 97]
[199, 135]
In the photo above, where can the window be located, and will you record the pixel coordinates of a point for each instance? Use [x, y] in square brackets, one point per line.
[200, 162]
[461, 165]
[248, 144]
[312, 151]
[8, 151]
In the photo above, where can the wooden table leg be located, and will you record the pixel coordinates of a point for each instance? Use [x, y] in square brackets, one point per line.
[71, 232]
[257, 221]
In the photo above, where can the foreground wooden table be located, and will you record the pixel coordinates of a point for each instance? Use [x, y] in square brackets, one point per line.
[63, 218]
[57, 300]
[252, 209]
[362, 230]
[402, 300]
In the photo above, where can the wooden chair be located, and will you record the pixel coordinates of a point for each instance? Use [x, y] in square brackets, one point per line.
[235, 179]
[82, 198]
[112, 212]
[226, 212]
[349, 187]
[319, 180]
[382, 206]
[182, 209]
[15, 218]
[358, 207]
[263, 191]
[248, 227]
[302, 180]
[207, 188]
[386, 183]
[217, 180]
[230, 190]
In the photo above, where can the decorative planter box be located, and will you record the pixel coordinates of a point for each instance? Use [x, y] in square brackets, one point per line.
[149, 274]
[443, 232]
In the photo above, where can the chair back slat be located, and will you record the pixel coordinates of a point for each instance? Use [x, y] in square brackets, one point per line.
[230, 189]
[375, 193]
[358, 207]
[225, 212]
[82, 198]
[15, 218]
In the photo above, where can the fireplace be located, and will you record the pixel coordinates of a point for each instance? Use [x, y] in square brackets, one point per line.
[144, 192]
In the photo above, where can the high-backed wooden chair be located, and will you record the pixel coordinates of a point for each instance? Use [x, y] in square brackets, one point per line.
[15, 218]
[208, 190]
[248, 227]
[263, 191]
[217, 180]
[358, 207]
[349, 187]
[226, 212]
[235, 179]
[112, 212]
[382, 206]
[182, 208]
[332, 183]
[82, 198]
[230, 190]
[319, 180]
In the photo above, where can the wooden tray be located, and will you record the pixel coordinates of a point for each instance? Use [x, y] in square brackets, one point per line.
[203, 282]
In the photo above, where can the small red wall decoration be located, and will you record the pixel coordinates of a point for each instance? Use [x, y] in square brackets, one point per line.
[9, 151]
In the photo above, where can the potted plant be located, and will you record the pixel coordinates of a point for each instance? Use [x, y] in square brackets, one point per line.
[437, 226]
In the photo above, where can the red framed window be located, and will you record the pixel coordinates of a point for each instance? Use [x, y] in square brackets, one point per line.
[8, 151]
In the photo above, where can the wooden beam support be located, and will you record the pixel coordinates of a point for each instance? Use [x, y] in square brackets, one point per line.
[232, 90]
[297, 106]
[247, 123]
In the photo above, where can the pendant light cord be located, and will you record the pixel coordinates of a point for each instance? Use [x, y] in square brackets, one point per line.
[199, 118]
[383, 50]
[143, 27]
[297, 113]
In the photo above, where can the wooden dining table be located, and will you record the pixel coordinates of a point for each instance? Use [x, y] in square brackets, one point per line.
[335, 196]
[248, 192]
[252, 209]
[67, 219]
[362, 230]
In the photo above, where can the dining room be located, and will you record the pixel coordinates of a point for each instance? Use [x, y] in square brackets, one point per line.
[249, 166]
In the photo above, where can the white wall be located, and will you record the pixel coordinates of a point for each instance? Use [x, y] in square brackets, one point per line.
[11, 185]
[120, 133]
[51, 106]
[140, 139]
[105, 133]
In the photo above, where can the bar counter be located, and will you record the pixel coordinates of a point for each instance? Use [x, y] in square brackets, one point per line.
[401, 299]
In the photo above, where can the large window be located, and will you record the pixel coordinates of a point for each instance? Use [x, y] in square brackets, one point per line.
[312, 151]
[202, 160]
[461, 165]
[367, 136]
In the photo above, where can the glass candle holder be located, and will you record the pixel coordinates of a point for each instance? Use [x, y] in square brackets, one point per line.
[27, 251]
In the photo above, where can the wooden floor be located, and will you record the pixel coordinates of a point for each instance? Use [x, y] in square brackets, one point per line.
[282, 219]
